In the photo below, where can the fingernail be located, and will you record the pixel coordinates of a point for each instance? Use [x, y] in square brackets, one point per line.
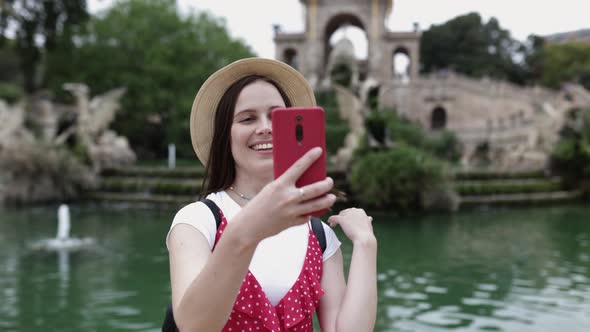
[317, 151]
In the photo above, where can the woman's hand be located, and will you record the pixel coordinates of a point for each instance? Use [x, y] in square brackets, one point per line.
[355, 223]
[280, 204]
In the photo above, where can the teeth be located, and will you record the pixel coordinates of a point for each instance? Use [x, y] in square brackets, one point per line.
[265, 146]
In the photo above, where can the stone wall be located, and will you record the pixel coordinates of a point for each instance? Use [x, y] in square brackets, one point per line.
[513, 121]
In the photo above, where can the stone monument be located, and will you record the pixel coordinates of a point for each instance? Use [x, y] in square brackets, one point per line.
[519, 125]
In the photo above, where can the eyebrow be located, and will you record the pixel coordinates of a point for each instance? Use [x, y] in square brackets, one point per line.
[253, 110]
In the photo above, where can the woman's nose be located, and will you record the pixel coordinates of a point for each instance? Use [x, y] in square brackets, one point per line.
[265, 126]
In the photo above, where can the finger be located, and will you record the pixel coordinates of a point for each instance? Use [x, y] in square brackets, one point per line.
[316, 189]
[334, 220]
[316, 204]
[301, 165]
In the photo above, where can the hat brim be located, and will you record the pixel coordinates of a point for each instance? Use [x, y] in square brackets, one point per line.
[295, 86]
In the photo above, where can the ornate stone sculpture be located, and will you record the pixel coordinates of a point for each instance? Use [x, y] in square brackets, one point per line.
[105, 148]
[37, 163]
[352, 110]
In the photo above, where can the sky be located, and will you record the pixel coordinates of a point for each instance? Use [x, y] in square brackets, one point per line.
[252, 20]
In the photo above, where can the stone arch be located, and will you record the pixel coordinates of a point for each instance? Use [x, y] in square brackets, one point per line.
[438, 118]
[324, 17]
[291, 57]
[401, 53]
[334, 23]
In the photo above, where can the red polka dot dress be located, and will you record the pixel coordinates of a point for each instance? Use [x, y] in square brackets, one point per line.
[252, 311]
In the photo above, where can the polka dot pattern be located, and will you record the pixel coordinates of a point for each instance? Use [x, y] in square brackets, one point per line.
[252, 311]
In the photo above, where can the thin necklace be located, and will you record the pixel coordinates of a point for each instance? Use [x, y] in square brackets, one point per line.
[242, 196]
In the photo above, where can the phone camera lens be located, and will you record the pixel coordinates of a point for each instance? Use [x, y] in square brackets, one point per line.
[298, 118]
[299, 133]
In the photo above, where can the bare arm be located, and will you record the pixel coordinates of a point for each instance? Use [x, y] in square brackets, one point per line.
[205, 284]
[358, 311]
[334, 286]
[358, 308]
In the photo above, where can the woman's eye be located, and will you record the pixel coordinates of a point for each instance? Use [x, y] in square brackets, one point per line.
[248, 119]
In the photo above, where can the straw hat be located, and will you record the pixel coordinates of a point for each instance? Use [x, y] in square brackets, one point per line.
[204, 107]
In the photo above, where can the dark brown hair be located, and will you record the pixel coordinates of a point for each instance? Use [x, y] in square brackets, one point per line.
[220, 171]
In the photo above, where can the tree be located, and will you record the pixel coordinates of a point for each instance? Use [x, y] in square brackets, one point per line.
[533, 58]
[162, 59]
[39, 26]
[467, 45]
[9, 64]
[569, 62]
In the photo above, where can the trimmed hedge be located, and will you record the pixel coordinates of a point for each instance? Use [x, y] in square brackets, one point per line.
[506, 188]
[493, 175]
[191, 173]
[152, 187]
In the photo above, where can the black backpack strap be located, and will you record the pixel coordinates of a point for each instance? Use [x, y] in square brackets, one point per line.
[318, 230]
[214, 209]
[169, 324]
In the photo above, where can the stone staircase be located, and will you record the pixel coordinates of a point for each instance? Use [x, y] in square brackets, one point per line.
[512, 188]
[149, 185]
[160, 186]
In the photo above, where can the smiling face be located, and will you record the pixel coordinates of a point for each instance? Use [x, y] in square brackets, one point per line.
[251, 131]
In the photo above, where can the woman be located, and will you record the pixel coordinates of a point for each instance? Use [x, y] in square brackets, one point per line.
[266, 271]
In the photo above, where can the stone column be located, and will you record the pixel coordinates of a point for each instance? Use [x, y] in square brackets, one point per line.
[312, 58]
[375, 56]
[415, 60]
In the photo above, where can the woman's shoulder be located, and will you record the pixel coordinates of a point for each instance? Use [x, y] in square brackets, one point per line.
[198, 215]
[199, 207]
[192, 211]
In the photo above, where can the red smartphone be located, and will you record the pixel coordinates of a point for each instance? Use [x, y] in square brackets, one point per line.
[296, 130]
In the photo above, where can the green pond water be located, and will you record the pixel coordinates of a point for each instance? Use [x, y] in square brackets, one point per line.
[483, 270]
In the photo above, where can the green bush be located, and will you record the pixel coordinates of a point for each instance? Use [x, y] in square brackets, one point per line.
[326, 99]
[336, 128]
[10, 92]
[396, 179]
[335, 135]
[402, 130]
[376, 123]
[571, 155]
[445, 145]
[481, 155]
[342, 74]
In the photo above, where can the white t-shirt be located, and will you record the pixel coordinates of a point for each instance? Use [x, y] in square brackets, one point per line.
[277, 260]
